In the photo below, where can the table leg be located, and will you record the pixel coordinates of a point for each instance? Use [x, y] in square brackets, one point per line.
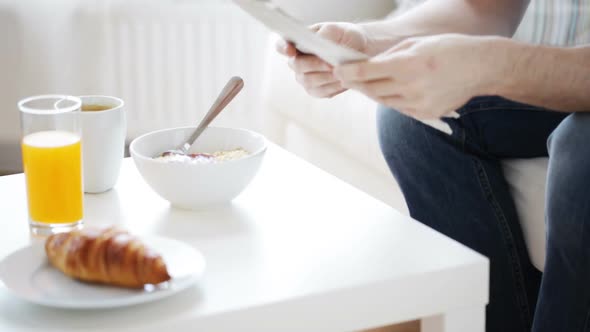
[470, 319]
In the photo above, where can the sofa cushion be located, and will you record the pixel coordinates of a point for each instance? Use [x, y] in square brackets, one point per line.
[527, 178]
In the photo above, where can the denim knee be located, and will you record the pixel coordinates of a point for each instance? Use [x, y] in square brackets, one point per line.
[570, 138]
[395, 131]
[567, 182]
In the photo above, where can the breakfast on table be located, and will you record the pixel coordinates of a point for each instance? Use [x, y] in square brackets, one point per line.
[67, 154]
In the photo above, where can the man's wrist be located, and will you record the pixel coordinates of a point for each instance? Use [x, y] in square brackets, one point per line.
[506, 60]
[492, 54]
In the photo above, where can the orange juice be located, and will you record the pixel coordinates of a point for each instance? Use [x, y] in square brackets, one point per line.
[52, 162]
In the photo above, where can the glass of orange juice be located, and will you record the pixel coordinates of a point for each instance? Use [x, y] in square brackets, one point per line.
[52, 161]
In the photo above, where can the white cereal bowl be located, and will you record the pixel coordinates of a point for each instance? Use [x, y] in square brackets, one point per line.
[197, 186]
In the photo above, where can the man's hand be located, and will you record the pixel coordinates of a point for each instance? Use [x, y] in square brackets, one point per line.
[315, 74]
[426, 77]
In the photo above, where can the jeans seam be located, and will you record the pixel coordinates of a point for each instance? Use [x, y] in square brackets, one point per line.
[471, 111]
[463, 140]
[509, 240]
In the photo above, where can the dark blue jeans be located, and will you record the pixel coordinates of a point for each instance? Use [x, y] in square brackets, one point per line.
[455, 185]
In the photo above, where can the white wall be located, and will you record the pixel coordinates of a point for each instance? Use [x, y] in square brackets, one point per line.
[166, 59]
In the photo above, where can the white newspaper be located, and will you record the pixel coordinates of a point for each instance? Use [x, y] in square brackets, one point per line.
[309, 42]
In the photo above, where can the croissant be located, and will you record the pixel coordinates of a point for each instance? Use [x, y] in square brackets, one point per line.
[106, 255]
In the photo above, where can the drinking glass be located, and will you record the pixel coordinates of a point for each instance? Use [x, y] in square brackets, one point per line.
[52, 160]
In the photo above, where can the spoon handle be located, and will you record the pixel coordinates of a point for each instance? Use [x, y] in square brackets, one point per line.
[231, 89]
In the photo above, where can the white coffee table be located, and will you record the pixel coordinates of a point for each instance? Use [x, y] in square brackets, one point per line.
[299, 250]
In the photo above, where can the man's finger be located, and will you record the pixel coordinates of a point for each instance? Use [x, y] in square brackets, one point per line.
[331, 32]
[376, 88]
[363, 71]
[359, 72]
[316, 27]
[402, 46]
[316, 79]
[286, 48]
[327, 91]
[308, 64]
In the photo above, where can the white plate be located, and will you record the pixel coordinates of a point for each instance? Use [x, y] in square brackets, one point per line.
[28, 274]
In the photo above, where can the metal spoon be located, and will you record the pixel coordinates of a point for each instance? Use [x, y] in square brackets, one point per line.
[231, 89]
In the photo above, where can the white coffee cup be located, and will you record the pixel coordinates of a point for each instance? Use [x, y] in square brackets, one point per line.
[103, 141]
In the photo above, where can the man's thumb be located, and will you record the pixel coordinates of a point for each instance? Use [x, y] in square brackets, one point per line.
[328, 31]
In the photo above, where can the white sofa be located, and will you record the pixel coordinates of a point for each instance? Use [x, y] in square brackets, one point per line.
[339, 135]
